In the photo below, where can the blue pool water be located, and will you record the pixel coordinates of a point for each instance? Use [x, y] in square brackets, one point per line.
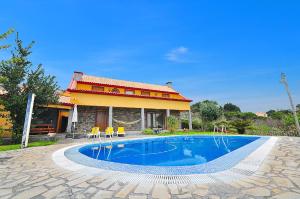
[167, 151]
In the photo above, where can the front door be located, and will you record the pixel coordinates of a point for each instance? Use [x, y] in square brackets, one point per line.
[101, 119]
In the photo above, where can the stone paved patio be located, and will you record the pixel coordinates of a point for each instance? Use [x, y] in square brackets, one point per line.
[31, 173]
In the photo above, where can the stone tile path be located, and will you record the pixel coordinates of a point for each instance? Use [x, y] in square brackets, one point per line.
[31, 173]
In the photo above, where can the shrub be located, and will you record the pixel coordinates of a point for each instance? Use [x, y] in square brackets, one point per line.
[172, 123]
[241, 125]
[197, 123]
[148, 132]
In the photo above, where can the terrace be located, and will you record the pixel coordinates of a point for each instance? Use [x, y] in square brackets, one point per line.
[33, 173]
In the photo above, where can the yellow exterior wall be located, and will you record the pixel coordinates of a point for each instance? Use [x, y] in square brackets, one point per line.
[5, 124]
[88, 87]
[127, 102]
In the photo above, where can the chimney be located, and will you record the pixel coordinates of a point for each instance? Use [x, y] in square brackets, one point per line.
[77, 75]
[169, 84]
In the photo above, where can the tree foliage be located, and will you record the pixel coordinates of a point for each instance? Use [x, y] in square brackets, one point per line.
[4, 36]
[207, 110]
[229, 107]
[18, 79]
[241, 125]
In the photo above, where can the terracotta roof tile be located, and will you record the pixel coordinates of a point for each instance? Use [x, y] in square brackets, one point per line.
[103, 80]
[64, 99]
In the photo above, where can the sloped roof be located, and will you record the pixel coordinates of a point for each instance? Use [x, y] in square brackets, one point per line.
[124, 83]
[64, 99]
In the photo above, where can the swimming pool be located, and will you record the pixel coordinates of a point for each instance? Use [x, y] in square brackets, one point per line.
[171, 155]
[167, 151]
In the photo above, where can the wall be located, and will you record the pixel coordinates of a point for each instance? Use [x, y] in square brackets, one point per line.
[127, 115]
[86, 118]
[88, 87]
[127, 102]
[5, 124]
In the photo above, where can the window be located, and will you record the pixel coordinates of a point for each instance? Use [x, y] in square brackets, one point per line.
[165, 95]
[115, 90]
[145, 93]
[129, 92]
[97, 88]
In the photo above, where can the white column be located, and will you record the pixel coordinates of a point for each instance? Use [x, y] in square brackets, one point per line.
[27, 122]
[69, 126]
[190, 120]
[168, 112]
[142, 119]
[110, 116]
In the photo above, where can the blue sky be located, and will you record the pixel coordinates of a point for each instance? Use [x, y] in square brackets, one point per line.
[228, 51]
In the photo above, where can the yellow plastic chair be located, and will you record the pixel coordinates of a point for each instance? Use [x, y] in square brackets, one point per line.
[109, 131]
[95, 132]
[121, 131]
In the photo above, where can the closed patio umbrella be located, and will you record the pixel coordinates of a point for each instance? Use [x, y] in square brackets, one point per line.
[74, 118]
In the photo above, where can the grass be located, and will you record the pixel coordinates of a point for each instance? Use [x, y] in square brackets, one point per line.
[32, 144]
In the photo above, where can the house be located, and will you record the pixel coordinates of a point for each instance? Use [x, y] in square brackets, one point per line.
[261, 114]
[104, 102]
[107, 102]
[53, 119]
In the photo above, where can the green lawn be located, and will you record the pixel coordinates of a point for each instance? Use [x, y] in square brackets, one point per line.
[32, 144]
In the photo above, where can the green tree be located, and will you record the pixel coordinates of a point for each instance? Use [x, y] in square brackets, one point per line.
[241, 125]
[229, 107]
[4, 36]
[270, 112]
[207, 110]
[19, 78]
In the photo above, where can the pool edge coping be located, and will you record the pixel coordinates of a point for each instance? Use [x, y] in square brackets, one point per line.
[245, 167]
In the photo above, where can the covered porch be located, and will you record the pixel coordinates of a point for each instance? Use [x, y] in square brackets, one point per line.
[133, 119]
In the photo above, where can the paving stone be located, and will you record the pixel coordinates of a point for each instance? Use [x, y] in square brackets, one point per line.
[83, 185]
[187, 195]
[283, 182]
[115, 187]
[78, 181]
[173, 189]
[137, 196]
[44, 182]
[126, 190]
[105, 184]
[287, 195]
[201, 192]
[30, 193]
[276, 191]
[258, 191]
[213, 197]
[103, 194]
[160, 191]
[144, 188]
[4, 192]
[52, 193]
[39, 179]
[32, 173]
[55, 183]
[14, 183]
[91, 190]
[295, 180]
